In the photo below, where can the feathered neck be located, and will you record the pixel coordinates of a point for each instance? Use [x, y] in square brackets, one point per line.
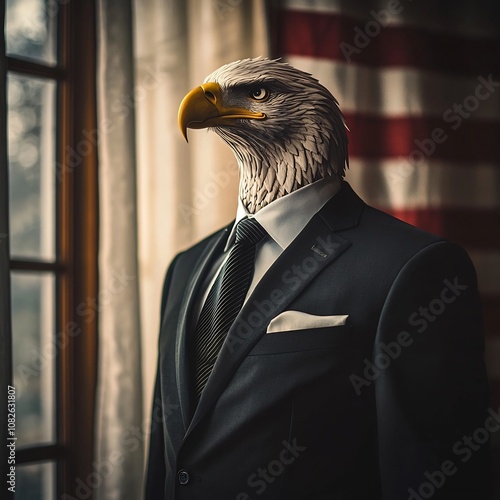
[272, 170]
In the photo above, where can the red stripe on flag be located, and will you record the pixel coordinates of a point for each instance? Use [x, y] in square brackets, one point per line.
[375, 137]
[470, 228]
[311, 34]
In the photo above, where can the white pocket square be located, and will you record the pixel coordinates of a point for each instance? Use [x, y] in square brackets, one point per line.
[296, 320]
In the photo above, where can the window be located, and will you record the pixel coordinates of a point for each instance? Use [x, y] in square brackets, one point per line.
[49, 225]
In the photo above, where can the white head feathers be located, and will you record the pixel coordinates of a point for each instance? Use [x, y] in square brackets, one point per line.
[302, 139]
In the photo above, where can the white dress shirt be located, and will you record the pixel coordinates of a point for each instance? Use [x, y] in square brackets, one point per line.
[283, 220]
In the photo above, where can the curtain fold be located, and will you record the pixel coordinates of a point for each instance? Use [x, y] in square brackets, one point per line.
[119, 404]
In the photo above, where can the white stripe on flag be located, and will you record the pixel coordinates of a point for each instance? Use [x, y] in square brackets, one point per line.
[394, 183]
[401, 91]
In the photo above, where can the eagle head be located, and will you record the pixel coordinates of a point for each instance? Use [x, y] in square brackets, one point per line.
[285, 129]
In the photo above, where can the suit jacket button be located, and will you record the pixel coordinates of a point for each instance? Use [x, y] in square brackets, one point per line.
[183, 476]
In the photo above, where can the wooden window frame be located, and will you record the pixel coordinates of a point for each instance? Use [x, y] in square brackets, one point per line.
[76, 244]
[5, 319]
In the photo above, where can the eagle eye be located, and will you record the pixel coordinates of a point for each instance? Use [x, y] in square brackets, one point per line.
[259, 94]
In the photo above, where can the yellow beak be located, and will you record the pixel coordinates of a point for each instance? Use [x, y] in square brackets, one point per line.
[203, 108]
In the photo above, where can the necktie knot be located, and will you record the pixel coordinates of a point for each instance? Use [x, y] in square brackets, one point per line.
[249, 231]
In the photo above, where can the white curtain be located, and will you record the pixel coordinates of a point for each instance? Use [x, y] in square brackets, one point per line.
[158, 195]
[119, 397]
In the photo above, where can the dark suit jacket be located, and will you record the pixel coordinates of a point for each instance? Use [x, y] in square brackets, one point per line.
[379, 408]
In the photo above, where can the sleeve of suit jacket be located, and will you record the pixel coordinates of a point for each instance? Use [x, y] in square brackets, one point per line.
[155, 478]
[431, 384]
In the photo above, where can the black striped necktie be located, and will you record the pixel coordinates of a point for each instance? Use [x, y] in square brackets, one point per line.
[225, 299]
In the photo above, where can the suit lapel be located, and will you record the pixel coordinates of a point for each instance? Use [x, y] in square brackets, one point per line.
[185, 325]
[315, 247]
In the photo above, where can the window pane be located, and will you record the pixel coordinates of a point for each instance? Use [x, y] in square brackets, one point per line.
[30, 29]
[36, 481]
[34, 353]
[32, 177]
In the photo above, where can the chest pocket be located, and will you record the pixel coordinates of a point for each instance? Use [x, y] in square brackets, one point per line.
[306, 340]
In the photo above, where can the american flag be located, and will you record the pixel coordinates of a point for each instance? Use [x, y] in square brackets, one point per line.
[419, 85]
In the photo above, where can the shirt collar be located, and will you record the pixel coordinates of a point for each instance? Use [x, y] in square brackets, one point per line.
[284, 218]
